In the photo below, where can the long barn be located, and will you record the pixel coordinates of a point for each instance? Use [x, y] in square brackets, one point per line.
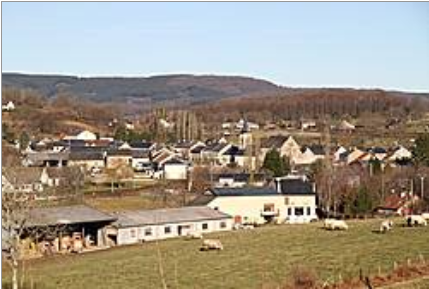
[146, 225]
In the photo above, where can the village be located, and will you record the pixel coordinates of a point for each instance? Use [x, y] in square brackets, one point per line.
[243, 179]
[215, 145]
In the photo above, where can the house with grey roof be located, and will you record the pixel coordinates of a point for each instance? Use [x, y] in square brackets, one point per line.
[22, 179]
[239, 180]
[292, 200]
[147, 225]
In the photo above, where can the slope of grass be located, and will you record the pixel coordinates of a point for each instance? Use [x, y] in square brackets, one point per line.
[141, 202]
[264, 256]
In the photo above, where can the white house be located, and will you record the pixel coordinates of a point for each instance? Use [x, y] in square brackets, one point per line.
[290, 148]
[129, 125]
[22, 179]
[84, 135]
[399, 153]
[250, 125]
[147, 225]
[166, 124]
[214, 152]
[8, 107]
[293, 201]
[310, 155]
[346, 126]
[175, 169]
[308, 124]
[340, 153]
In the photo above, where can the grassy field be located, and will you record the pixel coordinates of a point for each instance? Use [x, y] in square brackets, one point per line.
[251, 259]
[115, 204]
[421, 283]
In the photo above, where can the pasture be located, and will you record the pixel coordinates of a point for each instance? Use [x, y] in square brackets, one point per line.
[265, 256]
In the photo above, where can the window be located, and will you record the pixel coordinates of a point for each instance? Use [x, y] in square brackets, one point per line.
[148, 232]
[222, 225]
[308, 211]
[167, 230]
[205, 226]
[289, 211]
[299, 211]
[133, 233]
[287, 201]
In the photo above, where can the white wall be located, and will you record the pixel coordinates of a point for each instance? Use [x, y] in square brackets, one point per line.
[249, 208]
[134, 235]
[176, 171]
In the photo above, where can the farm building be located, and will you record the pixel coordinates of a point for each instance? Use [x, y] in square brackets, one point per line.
[147, 225]
[67, 224]
[293, 201]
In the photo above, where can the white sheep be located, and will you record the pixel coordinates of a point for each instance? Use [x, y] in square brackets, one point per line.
[425, 216]
[248, 227]
[332, 224]
[211, 244]
[386, 226]
[416, 220]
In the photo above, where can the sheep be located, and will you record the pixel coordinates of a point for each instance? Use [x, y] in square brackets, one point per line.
[248, 227]
[416, 220]
[194, 235]
[331, 224]
[327, 223]
[425, 216]
[211, 244]
[386, 226]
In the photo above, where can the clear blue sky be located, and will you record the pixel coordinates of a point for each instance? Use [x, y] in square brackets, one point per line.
[383, 45]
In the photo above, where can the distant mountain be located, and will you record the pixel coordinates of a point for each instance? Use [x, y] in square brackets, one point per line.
[177, 88]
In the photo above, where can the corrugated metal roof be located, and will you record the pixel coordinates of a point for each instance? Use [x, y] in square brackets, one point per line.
[166, 216]
[67, 215]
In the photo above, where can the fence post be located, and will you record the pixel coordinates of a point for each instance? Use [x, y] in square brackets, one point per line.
[422, 259]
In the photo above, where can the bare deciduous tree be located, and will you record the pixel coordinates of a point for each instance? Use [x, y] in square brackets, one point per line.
[16, 208]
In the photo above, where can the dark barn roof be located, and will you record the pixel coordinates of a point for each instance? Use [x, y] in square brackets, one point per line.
[77, 214]
[141, 145]
[295, 186]
[249, 191]
[86, 153]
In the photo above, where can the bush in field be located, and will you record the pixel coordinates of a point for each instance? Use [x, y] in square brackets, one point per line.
[302, 278]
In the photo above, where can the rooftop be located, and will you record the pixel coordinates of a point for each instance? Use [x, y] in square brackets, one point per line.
[273, 141]
[67, 215]
[247, 191]
[295, 186]
[167, 216]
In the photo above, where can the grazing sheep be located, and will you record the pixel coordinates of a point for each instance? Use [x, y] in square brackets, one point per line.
[327, 223]
[331, 224]
[426, 216]
[248, 227]
[386, 226]
[194, 235]
[416, 220]
[211, 244]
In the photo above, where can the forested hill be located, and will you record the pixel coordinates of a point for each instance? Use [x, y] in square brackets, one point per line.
[181, 88]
